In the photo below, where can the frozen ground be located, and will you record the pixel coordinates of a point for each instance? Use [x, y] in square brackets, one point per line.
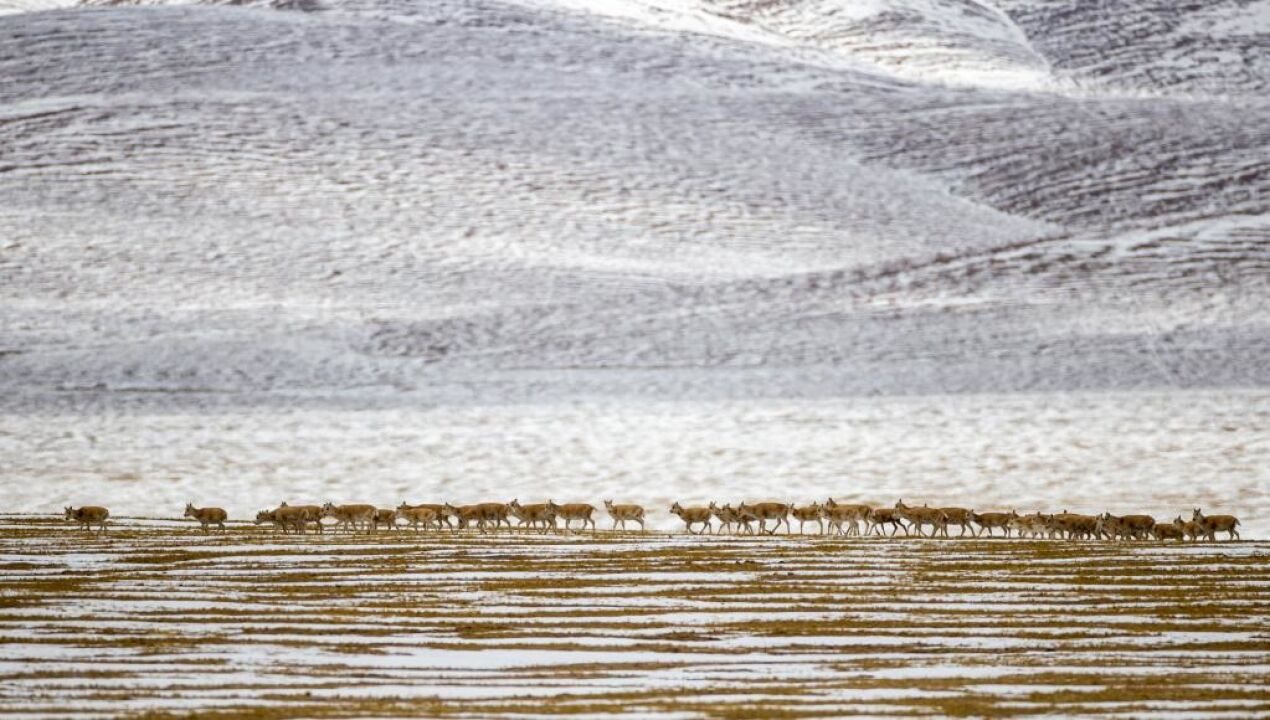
[162, 620]
[1002, 255]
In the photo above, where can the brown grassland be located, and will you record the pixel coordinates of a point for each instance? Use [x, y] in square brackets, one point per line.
[156, 620]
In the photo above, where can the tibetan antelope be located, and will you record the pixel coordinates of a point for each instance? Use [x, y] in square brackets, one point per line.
[1136, 527]
[88, 516]
[920, 516]
[482, 515]
[764, 511]
[442, 515]
[729, 516]
[988, 521]
[808, 513]
[351, 517]
[622, 513]
[298, 517]
[1190, 528]
[271, 517]
[207, 516]
[841, 514]
[885, 516]
[416, 515]
[1035, 525]
[1210, 525]
[533, 515]
[385, 517]
[1074, 526]
[574, 511]
[693, 515]
[1169, 531]
[958, 516]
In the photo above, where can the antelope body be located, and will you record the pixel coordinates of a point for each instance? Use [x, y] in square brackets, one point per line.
[574, 511]
[1210, 525]
[989, 521]
[918, 517]
[622, 513]
[207, 516]
[693, 515]
[350, 517]
[534, 514]
[839, 515]
[886, 516]
[764, 511]
[958, 516]
[88, 516]
[385, 517]
[416, 515]
[808, 513]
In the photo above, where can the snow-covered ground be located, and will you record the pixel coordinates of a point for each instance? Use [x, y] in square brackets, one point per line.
[1009, 253]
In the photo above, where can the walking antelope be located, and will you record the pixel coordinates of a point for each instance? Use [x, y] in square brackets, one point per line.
[350, 517]
[958, 516]
[1169, 531]
[729, 516]
[622, 513]
[808, 513]
[1190, 528]
[920, 516]
[574, 511]
[298, 517]
[88, 516]
[991, 520]
[271, 517]
[885, 516]
[482, 514]
[693, 515]
[385, 517]
[416, 515]
[1210, 525]
[764, 511]
[442, 515]
[1034, 525]
[207, 516]
[534, 515]
[839, 515]
[1075, 526]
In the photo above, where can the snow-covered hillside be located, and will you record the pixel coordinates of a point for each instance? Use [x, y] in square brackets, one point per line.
[893, 196]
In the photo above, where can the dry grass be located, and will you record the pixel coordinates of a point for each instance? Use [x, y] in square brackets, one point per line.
[161, 621]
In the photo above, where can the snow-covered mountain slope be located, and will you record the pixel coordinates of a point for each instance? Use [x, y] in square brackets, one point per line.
[821, 197]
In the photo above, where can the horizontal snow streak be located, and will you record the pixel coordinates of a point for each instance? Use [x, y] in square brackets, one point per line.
[153, 618]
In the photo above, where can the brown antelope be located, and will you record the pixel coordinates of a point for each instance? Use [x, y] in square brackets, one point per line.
[1109, 527]
[988, 521]
[207, 516]
[442, 515]
[885, 516]
[271, 517]
[839, 515]
[574, 511]
[1190, 528]
[351, 517]
[297, 517]
[764, 511]
[533, 515]
[957, 516]
[88, 516]
[808, 513]
[1138, 527]
[385, 517]
[729, 516]
[1168, 531]
[416, 515]
[1210, 525]
[1073, 525]
[919, 516]
[1035, 525]
[622, 513]
[482, 514]
[693, 515]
